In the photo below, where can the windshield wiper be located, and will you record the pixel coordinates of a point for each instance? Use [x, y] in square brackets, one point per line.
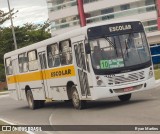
[127, 41]
[112, 44]
[126, 51]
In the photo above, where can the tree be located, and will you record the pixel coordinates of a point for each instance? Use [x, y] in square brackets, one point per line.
[25, 35]
[31, 33]
[2, 74]
[6, 16]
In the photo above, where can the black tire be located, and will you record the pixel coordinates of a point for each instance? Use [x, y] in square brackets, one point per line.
[33, 104]
[125, 97]
[77, 103]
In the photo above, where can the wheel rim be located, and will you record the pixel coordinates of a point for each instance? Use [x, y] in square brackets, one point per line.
[75, 98]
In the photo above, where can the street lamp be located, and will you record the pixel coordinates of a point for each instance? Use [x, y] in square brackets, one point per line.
[13, 32]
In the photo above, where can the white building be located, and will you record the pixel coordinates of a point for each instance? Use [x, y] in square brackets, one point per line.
[63, 14]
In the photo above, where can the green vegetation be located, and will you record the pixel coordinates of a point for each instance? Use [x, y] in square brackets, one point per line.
[4, 16]
[25, 35]
[157, 66]
[157, 74]
[2, 75]
[5, 89]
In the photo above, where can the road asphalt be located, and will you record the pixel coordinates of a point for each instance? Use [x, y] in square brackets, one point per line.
[142, 109]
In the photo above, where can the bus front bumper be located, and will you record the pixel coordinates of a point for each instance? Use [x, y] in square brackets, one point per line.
[105, 92]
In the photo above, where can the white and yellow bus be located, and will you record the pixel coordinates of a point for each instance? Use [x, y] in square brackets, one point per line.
[90, 63]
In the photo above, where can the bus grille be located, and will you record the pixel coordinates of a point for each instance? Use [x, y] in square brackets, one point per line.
[126, 78]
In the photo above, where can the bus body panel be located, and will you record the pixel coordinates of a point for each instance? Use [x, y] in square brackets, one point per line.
[58, 87]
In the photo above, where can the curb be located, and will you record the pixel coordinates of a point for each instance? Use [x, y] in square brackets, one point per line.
[157, 81]
[5, 92]
[157, 84]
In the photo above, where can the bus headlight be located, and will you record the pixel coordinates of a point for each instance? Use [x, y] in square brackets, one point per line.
[150, 74]
[99, 81]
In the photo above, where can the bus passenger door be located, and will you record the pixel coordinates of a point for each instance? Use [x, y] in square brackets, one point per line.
[43, 64]
[82, 68]
[15, 74]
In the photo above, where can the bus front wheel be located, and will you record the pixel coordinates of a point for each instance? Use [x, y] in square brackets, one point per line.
[125, 97]
[77, 103]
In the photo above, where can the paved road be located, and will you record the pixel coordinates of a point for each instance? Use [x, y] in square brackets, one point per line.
[143, 109]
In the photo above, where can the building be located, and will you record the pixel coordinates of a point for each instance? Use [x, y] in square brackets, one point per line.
[63, 14]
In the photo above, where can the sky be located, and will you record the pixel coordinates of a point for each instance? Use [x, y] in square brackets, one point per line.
[29, 11]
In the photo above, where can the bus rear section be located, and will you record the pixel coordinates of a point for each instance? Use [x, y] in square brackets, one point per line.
[120, 59]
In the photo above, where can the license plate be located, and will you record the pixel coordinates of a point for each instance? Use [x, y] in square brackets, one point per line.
[128, 89]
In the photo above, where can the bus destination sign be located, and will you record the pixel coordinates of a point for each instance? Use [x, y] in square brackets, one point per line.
[120, 28]
[114, 29]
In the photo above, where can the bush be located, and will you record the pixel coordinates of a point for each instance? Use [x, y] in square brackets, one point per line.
[156, 66]
[2, 73]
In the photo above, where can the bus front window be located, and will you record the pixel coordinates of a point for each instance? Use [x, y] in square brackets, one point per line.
[119, 51]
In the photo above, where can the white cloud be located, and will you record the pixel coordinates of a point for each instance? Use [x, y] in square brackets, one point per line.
[29, 11]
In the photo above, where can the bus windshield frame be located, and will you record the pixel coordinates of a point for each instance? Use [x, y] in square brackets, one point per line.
[118, 48]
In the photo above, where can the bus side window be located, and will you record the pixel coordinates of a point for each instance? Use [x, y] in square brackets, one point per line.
[53, 55]
[65, 52]
[23, 62]
[9, 68]
[32, 60]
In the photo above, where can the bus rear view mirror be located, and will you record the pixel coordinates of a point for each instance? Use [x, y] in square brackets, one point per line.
[87, 48]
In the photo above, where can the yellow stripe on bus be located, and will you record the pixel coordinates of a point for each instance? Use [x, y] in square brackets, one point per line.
[46, 74]
[11, 79]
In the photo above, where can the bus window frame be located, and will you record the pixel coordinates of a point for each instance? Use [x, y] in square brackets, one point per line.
[26, 62]
[70, 51]
[56, 43]
[8, 66]
[33, 60]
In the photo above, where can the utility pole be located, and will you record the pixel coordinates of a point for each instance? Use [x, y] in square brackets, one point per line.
[13, 32]
[81, 13]
[157, 3]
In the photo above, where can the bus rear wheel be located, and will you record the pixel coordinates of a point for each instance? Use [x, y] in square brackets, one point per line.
[125, 97]
[33, 104]
[41, 103]
[77, 103]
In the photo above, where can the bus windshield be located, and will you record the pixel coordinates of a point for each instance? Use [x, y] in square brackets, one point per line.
[112, 52]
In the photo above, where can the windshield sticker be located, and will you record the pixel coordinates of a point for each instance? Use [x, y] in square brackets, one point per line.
[109, 64]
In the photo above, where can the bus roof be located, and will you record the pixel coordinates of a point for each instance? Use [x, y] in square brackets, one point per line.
[61, 37]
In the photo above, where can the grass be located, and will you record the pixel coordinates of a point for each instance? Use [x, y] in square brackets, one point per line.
[157, 74]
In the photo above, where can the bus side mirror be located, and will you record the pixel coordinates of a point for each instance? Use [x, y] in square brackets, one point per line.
[87, 48]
